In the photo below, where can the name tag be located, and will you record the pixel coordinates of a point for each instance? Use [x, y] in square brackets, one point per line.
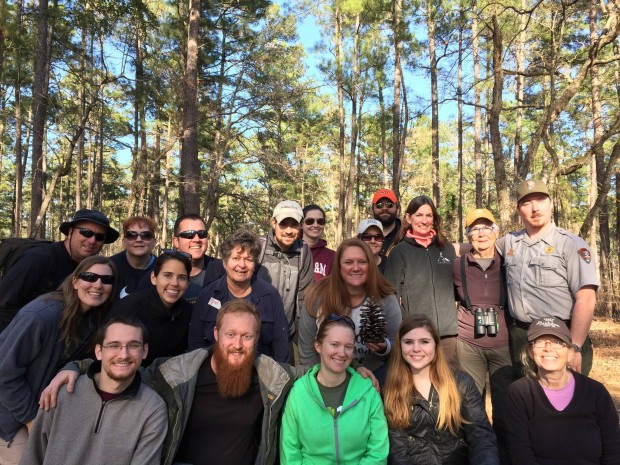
[215, 303]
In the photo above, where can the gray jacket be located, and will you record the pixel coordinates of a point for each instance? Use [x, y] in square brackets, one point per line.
[290, 272]
[175, 380]
[82, 430]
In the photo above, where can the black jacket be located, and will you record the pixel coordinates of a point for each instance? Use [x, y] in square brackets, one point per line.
[421, 443]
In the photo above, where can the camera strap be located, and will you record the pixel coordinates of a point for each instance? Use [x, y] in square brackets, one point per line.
[502, 287]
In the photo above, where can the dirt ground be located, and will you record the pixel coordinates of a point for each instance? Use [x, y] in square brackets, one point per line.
[605, 335]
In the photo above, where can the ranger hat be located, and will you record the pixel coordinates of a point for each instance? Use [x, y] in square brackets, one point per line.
[548, 326]
[531, 186]
[94, 216]
[288, 209]
[477, 214]
[365, 224]
[384, 194]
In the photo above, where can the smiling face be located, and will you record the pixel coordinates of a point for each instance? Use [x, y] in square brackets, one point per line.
[354, 267]
[239, 266]
[373, 243]
[548, 359]
[121, 365]
[482, 241]
[81, 247]
[313, 231]
[139, 247]
[195, 246]
[236, 337]
[418, 349]
[93, 294]
[421, 221]
[535, 211]
[385, 211]
[171, 282]
[286, 232]
[336, 349]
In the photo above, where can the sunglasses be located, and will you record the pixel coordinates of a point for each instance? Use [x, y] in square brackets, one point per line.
[87, 233]
[369, 237]
[144, 235]
[311, 221]
[91, 277]
[384, 204]
[334, 317]
[190, 233]
[184, 256]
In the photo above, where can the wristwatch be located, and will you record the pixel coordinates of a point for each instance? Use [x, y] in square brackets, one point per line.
[577, 348]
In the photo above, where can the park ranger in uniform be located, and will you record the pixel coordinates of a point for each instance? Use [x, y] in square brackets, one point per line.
[549, 272]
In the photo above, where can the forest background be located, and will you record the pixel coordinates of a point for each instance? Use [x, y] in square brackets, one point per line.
[162, 107]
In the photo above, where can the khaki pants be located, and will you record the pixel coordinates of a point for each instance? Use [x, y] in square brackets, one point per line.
[10, 453]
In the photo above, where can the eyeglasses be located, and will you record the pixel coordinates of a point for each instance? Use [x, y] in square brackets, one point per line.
[384, 204]
[177, 253]
[190, 233]
[369, 237]
[541, 344]
[116, 347]
[91, 277]
[482, 231]
[144, 235]
[311, 221]
[87, 233]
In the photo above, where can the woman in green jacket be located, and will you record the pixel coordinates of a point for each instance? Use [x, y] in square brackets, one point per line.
[333, 415]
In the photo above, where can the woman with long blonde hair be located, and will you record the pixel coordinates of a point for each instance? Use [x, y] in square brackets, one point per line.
[355, 289]
[434, 413]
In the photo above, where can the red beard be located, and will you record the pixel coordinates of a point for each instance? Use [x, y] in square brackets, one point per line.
[232, 380]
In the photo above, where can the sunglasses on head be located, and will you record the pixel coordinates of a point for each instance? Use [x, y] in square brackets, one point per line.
[144, 235]
[176, 253]
[190, 233]
[366, 237]
[91, 277]
[311, 221]
[334, 317]
[384, 204]
[87, 233]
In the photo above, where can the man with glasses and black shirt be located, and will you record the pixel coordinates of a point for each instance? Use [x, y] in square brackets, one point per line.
[42, 268]
[191, 237]
[137, 259]
[313, 225]
[385, 210]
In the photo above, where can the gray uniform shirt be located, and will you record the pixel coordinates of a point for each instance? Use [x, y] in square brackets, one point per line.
[543, 276]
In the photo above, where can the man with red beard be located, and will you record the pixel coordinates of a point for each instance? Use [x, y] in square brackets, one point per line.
[111, 417]
[224, 402]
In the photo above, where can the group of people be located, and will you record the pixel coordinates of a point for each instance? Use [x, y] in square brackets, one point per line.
[285, 351]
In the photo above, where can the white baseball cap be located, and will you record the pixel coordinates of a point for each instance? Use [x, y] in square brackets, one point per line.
[365, 224]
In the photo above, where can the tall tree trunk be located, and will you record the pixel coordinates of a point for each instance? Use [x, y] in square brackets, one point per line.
[397, 163]
[459, 97]
[382, 128]
[430, 26]
[354, 126]
[341, 125]
[519, 90]
[189, 188]
[477, 108]
[41, 76]
[16, 221]
[501, 183]
[166, 199]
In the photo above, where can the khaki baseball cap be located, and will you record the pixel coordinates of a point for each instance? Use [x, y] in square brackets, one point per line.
[531, 186]
[477, 214]
[288, 209]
